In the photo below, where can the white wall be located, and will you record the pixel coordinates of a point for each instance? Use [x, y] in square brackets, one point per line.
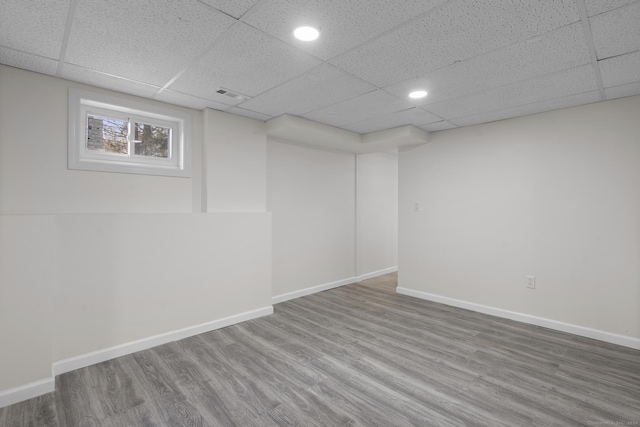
[377, 212]
[123, 278]
[236, 163]
[554, 195]
[311, 194]
[34, 178]
[98, 264]
[27, 280]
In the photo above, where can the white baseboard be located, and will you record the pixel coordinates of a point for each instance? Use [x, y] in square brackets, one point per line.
[312, 290]
[319, 288]
[26, 391]
[377, 273]
[84, 360]
[582, 331]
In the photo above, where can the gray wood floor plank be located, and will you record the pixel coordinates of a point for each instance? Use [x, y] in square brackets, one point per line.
[36, 412]
[254, 394]
[358, 355]
[363, 410]
[222, 393]
[77, 406]
[115, 386]
[274, 361]
[161, 394]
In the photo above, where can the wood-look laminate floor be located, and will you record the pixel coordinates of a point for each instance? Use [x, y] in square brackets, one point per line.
[359, 355]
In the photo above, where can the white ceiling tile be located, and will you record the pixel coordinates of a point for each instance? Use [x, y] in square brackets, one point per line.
[35, 26]
[369, 105]
[481, 60]
[342, 24]
[438, 126]
[322, 86]
[189, 101]
[630, 89]
[455, 32]
[247, 61]
[26, 61]
[595, 7]
[93, 78]
[146, 41]
[561, 84]
[620, 70]
[235, 8]
[414, 116]
[539, 107]
[248, 113]
[554, 51]
[617, 32]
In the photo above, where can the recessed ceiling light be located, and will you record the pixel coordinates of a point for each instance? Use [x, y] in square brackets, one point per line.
[418, 94]
[306, 34]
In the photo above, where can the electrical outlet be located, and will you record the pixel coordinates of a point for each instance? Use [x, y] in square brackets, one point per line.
[531, 282]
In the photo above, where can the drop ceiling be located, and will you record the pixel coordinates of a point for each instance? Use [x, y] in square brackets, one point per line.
[480, 60]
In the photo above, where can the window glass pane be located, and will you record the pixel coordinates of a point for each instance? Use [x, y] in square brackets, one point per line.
[107, 135]
[152, 141]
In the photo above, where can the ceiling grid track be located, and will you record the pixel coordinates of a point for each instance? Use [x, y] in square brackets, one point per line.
[195, 60]
[480, 61]
[586, 27]
[67, 34]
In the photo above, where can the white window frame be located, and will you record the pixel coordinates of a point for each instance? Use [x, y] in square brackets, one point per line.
[83, 103]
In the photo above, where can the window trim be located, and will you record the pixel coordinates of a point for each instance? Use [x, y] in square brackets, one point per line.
[82, 102]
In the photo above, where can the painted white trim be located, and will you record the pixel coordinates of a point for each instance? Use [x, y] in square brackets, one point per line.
[26, 391]
[312, 290]
[377, 273]
[84, 360]
[582, 331]
[319, 288]
[82, 102]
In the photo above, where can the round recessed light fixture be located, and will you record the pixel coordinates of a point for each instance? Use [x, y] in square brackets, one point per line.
[417, 94]
[306, 34]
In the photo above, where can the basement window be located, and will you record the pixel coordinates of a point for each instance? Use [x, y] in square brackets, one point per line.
[117, 135]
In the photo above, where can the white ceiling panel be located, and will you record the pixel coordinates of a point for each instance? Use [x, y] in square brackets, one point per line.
[455, 32]
[235, 8]
[620, 70]
[438, 126]
[369, 105]
[189, 101]
[630, 89]
[554, 51]
[90, 77]
[26, 61]
[247, 61]
[35, 26]
[617, 32]
[248, 113]
[400, 118]
[558, 85]
[596, 7]
[146, 41]
[320, 87]
[548, 105]
[343, 24]
[480, 60]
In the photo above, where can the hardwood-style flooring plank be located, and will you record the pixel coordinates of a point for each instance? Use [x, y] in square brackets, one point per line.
[36, 412]
[358, 355]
